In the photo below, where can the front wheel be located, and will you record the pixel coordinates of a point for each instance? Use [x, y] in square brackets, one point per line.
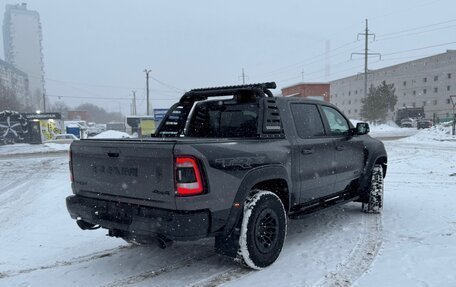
[263, 230]
[374, 200]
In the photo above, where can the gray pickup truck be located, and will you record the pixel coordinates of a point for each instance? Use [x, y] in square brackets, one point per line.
[234, 163]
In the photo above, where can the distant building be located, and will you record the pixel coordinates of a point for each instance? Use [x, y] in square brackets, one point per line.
[15, 80]
[22, 39]
[318, 91]
[425, 82]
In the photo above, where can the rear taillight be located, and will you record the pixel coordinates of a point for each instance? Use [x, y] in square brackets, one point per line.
[188, 177]
[70, 163]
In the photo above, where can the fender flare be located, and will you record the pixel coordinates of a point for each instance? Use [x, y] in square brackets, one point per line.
[365, 179]
[226, 243]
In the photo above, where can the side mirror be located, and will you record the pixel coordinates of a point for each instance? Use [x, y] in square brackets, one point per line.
[362, 128]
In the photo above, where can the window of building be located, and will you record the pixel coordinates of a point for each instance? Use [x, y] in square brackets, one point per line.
[414, 93]
[405, 83]
[424, 103]
[414, 104]
[425, 80]
[448, 101]
[403, 104]
[356, 100]
[424, 91]
[449, 75]
[434, 102]
[349, 102]
[436, 78]
[349, 111]
[404, 94]
[349, 93]
[356, 110]
[356, 92]
[448, 88]
[436, 90]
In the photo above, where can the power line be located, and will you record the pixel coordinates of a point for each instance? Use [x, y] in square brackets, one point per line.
[418, 49]
[167, 85]
[102, 98]
[309, 60]
[416, 33]
[416, 28]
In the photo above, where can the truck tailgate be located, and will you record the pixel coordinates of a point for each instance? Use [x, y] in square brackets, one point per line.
[129, 171]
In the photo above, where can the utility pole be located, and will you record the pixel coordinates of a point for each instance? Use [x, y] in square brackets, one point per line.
[147, 89]
[366, 54]
[302, 75]
[243, 76]
[44, 102]
[133, 112]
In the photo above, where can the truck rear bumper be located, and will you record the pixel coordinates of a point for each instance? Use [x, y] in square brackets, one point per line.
[140, 220]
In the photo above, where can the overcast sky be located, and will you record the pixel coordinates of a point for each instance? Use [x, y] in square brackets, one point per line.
[99, 49]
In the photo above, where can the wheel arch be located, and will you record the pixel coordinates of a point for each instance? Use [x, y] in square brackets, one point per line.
[273, 178]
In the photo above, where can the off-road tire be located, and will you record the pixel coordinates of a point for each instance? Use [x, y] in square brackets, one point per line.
[374, 198]
[263, 230]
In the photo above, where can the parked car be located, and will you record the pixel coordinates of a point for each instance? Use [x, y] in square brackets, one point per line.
[63, 139]
[406, 123]
[423, 124]
[235, 169]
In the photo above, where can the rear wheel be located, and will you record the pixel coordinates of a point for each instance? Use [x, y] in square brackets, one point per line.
[374, 199]
[263, 230]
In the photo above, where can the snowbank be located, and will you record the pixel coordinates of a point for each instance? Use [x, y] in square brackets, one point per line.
[112, 135]
[389, 129]
[33, 148]
[436, 133]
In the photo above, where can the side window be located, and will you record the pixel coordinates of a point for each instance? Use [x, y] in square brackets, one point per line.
[337, 123]
[307, 120]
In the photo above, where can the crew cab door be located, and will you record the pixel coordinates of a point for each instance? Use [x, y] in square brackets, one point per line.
[349, 150]
[315, 152]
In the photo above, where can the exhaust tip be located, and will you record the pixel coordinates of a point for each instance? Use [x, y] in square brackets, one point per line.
[84, 225]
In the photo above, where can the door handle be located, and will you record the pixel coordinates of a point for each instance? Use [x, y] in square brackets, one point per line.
[307, 151]
[340, 147]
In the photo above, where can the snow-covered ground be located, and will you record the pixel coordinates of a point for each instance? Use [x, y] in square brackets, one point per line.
[33, 148]
[412, 243]
[27, 149]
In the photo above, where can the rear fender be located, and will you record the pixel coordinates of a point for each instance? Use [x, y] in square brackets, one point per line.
[226, 243]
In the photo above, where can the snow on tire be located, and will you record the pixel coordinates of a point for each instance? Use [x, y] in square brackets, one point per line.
[374, 203]
[263, 230]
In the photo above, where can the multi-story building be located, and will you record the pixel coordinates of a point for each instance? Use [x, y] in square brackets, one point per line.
[319, 91]
[22, 45]
[16, 81]
[426, 82]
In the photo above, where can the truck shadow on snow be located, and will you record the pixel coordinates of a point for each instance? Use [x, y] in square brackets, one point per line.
[131, 264]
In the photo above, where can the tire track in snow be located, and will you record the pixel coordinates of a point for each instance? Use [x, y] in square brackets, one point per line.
[223, 277]
[150, 274]
[361, 257]
[64, 263]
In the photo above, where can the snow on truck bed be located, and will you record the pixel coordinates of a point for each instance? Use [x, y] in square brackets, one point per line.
[413, 242]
